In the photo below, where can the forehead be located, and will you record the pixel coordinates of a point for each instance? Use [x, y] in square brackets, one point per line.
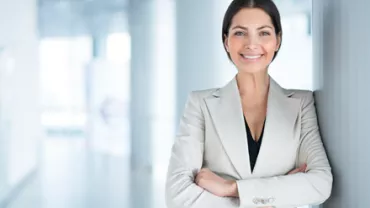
[251, 17]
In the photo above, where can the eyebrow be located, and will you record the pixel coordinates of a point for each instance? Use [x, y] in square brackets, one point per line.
[244, 28]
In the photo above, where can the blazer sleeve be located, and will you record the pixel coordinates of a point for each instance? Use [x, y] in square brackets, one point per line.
[310, 188]
[185, 162]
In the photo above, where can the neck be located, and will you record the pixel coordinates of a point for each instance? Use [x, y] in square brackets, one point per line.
[254, 85]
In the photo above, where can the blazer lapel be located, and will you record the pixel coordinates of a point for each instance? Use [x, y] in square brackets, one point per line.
[281, 126]
[227, 114]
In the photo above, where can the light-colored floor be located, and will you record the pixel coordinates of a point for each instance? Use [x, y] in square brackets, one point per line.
[70, 176]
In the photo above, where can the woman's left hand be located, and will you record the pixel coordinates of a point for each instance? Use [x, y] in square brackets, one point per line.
[215, 184]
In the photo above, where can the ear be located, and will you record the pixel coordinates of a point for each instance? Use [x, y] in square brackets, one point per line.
[226, 43]
[278, 42]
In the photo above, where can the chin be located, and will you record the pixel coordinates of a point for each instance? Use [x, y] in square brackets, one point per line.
[253, 69]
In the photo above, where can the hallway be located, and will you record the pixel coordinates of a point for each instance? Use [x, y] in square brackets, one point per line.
[113, 77]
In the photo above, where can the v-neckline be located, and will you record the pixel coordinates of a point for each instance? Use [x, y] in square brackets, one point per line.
[249, 132]
[253, 145]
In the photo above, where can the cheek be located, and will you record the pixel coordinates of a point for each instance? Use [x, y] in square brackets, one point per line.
[235, 44]
[270, 48]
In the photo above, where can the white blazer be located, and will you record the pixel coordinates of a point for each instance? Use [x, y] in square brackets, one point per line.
[212, 135]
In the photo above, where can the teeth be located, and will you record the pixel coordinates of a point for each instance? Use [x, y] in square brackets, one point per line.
[251, 57]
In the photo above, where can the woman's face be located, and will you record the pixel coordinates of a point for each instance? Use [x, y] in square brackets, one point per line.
[251, 41]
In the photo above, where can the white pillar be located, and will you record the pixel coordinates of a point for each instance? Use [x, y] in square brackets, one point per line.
[153, 58]
[151, 90]
[142, 28]
[21, 110]
[341, 61]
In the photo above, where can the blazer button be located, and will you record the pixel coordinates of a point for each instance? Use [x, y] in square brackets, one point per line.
[264, 201]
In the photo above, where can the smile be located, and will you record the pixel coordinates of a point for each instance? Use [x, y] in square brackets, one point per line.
[251, 58]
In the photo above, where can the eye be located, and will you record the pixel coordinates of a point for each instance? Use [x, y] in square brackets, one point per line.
[239, 33]
[265, 33]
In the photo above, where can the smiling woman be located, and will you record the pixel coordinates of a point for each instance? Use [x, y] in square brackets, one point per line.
[251, 35]
[250, 143]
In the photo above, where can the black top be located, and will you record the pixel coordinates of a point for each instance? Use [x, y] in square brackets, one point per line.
[253, 146]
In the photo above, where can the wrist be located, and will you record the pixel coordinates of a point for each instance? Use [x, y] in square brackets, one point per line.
[233, 189]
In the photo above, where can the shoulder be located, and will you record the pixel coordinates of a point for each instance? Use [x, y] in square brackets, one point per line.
[302, 94]
[195, 98]
[306, 96]
[201, 94]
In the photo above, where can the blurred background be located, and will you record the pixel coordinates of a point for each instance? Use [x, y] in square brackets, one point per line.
[91, 92]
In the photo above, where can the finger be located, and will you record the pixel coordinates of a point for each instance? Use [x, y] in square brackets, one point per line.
[200, 182]
[204, 170]
[302, 168]
[200, 174]
[294, 171]
[197, 180]
[299, 169]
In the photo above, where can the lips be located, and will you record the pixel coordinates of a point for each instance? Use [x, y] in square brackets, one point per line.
[251, 57]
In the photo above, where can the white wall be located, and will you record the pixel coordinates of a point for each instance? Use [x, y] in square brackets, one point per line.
[341, 45]
[19, 98]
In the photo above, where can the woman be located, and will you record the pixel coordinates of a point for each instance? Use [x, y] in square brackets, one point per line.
[251, 143]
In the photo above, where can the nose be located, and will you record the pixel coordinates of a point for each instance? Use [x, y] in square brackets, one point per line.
[251, 42]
